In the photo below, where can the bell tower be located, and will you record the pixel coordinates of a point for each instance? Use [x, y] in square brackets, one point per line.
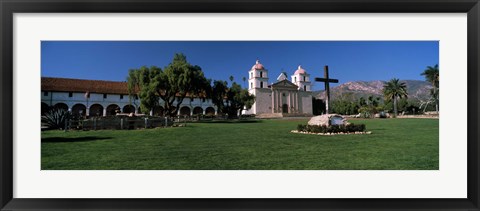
[257, 76]
[302, 79]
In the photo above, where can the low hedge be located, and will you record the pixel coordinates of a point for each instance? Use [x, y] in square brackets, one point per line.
[351, 128]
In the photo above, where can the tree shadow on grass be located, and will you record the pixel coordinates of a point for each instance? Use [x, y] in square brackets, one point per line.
[76, 139]
[233, 121]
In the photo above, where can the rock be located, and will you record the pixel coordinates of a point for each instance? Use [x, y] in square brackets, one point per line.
[327, 120]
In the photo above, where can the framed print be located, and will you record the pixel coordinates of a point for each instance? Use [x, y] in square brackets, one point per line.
[239, 105]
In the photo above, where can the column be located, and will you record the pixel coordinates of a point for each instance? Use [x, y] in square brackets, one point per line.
[151, 112]
[204, 110]
[273, 101]
[279, 101]
[296, 102]
[292, 101]
[105, 111]
[87, 112]
[289, 102]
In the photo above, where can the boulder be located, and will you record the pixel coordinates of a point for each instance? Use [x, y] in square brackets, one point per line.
[327, 120]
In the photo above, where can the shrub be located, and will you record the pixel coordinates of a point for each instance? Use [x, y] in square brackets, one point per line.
[332, 129]
[57, 118]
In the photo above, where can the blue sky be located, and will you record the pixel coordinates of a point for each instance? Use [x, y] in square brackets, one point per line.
[347, 60]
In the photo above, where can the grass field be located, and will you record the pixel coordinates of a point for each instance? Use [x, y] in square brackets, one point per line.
[267, 144]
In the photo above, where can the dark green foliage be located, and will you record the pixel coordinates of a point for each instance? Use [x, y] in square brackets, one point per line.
[332, 128]
[432, 75]
[172, 84]
[231, 100]
[344, 107]
[406, 106]
[57, 118]
[394, 89]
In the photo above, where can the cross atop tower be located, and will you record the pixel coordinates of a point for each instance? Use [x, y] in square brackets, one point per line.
[327, 82]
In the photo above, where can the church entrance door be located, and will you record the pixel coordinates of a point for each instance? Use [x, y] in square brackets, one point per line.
[285, 108]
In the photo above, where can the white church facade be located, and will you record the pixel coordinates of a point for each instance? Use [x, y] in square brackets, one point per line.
[282, 96]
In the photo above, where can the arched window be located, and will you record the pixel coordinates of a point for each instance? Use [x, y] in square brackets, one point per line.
[304, 78]
[251, 75]
[251, 85]
[261, 84]
[305, 87]
[294, 79]
[261, 74]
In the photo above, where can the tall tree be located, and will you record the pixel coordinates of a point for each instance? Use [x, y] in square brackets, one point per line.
[231, 100]
[432, 75]
[394, 89]
[244, 79]
[140, 83]
[172, 84]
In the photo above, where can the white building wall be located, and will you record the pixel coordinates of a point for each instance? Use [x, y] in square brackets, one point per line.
[263, 101]
[54, 98]
[306, 102]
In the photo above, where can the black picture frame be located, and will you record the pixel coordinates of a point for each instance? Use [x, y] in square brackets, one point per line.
[9, 7]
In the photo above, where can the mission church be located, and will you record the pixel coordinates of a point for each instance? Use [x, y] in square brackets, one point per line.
[281, 97]
[104, 98]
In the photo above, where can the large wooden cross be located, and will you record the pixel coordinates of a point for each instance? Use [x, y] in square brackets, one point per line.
[327, 82]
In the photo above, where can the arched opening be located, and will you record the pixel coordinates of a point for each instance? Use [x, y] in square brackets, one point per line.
[45, 108]
[61, 106]
[284, 108]
[128, 109]
[185, 111]
[197, 110]
[210, 111]
[96, 110]
[79, 110]
[158, 111]
[113, 109]
[261, 84]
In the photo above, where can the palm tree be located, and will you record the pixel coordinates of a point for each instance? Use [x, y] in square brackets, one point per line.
[432, 75]
[244, 79]
[231, 78]
[395, 89]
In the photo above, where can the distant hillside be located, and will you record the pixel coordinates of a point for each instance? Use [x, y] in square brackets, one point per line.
[355, 89]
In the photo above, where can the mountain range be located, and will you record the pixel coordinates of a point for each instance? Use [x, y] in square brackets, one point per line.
[353, 90]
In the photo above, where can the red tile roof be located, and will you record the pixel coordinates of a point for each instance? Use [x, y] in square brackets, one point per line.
[81, 85]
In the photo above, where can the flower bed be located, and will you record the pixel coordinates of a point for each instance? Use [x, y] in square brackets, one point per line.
[332, 130]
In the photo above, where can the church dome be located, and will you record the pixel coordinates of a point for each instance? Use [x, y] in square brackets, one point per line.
[300, 70]
[258, 66]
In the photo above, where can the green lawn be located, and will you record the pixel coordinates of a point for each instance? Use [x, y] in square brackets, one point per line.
[267, 144]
